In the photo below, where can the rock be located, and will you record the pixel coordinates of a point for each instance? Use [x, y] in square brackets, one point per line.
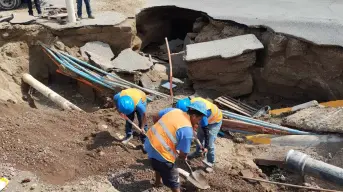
[22, 18]
[317, 119]
[59, 45]
[33, 187]
[277, 43]
[179, 65]
[27, 180]
[146, 81]
[282, 178]
[5, 35]
[99, 61]
[295, 48]
[160, 68]
[198, 25]
[247, 173]
[101, 49]
[131, 61]
[175, 45]
[187, 41]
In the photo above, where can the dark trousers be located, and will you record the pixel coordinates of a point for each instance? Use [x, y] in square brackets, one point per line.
[128, 126]
[37, 4]
[79, 8]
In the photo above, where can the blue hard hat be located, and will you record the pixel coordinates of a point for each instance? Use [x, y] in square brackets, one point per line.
[183, 104]
[199, 106]
[125, 105]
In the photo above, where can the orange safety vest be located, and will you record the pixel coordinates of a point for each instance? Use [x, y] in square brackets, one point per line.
[135, 94]
[162, 135]
[216, 113]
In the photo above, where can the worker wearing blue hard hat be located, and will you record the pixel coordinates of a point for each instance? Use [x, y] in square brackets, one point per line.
[209, 126]
[171, 137]
[130, 102]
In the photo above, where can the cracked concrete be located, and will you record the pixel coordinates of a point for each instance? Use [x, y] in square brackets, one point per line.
[311, 20]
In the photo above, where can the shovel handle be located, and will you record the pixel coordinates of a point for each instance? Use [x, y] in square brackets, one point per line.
[189, 167]
[133, 124]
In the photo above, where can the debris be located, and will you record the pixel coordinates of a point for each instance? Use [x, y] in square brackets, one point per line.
[129, 60]
[222, 66]
[262, 123]
[146, 82]
[305, 165]
[317, 119]
[6, 18]
[295, 108]
[224, 48]
[289, 185]
[175, 45]
[97, 47]
[228, 125]
[167, 85]
[99, 61]
[101, 153]
[56, 98]
[33, 186]
[27, 180]
[247, 173]
[179, 65]
[59, 45]
[22, 18]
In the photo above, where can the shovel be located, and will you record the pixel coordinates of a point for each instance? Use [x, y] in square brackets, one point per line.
[197, 178]
[135, 126]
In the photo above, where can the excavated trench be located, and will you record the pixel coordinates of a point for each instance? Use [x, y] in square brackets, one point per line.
[287, 70]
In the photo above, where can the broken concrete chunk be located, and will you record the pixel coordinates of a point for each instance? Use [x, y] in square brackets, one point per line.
[6, 18]
[160, 68]
[179, 65]
[59, 45]
[99, 61]
[130, 61]
[146, 81]
[224, 48]
[22, 18]
[97, 47]
[175, 45]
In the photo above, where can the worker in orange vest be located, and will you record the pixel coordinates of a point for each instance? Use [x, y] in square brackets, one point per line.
[129, 102]
[209, 127]
[171, 137]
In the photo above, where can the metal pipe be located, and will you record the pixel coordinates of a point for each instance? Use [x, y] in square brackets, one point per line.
[262, 123]
[71, 11]
[233, 107]
[305, 105]
[47, 92]
[304, 164]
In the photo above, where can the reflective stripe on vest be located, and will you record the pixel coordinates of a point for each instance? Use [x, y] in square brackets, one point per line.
[135, 94]
[216, 113]
[162, 135]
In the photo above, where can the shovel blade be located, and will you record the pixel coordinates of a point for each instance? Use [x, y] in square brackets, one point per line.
[198, 180]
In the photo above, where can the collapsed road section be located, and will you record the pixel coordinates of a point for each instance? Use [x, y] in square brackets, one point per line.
[277, 86]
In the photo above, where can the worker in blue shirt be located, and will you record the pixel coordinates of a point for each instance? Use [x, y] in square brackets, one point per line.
[209, 127]
[130, 102]
[169, 138]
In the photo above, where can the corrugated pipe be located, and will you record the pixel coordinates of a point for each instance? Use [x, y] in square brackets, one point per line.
[264, 124]
[304, 164]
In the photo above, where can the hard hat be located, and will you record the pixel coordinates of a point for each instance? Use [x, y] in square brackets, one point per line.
[199, 106]
[125, 105]
[183, 104]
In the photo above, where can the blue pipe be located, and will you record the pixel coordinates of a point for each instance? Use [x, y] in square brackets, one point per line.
[264, 124]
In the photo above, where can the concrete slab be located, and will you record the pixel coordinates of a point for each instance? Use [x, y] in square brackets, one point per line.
[317, 21]
[99, 61]
[97, 47]
[22, 18]
[101, 19]
[130, 61]
[224, 48]
[6, 18]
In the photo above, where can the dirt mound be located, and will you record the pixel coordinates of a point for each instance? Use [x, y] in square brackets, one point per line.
[60, 146]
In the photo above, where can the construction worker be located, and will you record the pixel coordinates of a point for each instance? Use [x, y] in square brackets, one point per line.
[128, 102]
[171, 137]
[209, 127]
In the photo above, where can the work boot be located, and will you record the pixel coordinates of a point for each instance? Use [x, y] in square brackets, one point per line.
[127, 139]
[91, 17]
